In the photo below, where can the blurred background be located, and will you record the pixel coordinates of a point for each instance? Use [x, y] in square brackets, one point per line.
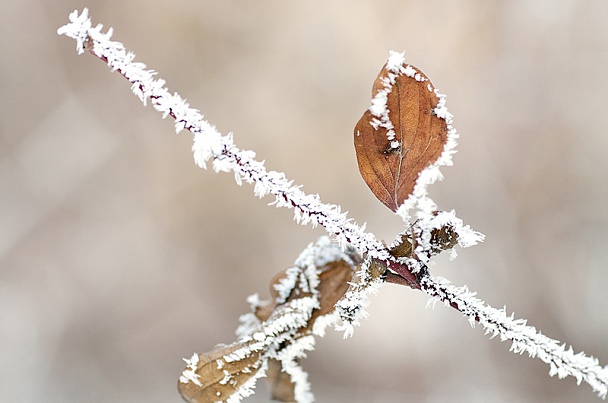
[118, 256]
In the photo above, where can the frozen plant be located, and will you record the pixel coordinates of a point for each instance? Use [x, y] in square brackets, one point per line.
[401, 142]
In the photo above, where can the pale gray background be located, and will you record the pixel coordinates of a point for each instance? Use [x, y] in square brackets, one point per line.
[118, 256]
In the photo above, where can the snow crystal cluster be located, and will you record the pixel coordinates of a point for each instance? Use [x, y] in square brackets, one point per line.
[189, 374]
[424, 227]
[352, 307]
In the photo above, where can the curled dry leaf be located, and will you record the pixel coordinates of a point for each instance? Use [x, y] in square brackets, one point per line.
[219, 382]
[334, 278]
[334, 281]
[400, 135]
[443, 238]
[222, 373]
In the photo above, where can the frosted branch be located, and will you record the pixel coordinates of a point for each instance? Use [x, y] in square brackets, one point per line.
[563, 362]
[211, 145]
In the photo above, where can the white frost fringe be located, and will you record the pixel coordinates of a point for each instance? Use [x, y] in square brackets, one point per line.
[562, 361]
[210, 144]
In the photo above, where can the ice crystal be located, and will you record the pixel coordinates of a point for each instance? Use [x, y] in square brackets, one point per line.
[189, 374]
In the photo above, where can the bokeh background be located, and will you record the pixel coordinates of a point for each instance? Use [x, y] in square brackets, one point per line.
[118, 256]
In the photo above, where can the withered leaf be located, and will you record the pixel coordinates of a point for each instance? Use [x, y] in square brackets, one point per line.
[334, 281]
[219, 382]
[398, 138]
[222, 378]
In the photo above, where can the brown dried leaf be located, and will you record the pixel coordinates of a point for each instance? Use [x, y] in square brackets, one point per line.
[333, 283]
[443, 238]
[391, 172]
[404, 248]
[215, 388]
[334, 278]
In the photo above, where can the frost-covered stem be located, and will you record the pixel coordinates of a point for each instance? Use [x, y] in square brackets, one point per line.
[562, 361]
[209, 144]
